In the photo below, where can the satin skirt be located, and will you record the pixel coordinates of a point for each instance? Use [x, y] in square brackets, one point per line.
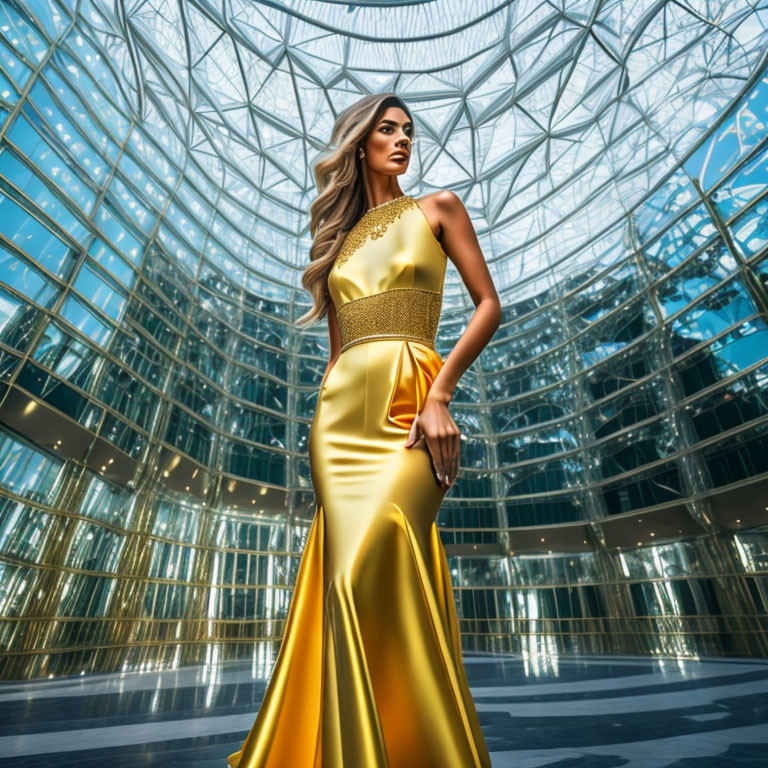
[370, 673]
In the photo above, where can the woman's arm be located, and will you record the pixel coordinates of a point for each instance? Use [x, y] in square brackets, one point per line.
[334, 338]
[459, 241]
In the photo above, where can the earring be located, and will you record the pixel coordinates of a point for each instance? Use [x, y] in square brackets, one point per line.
[362, 154]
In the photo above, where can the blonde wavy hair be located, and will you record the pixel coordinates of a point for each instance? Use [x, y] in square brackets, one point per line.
[341, 200]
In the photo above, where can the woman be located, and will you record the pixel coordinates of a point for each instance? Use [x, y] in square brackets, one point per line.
[370, 673]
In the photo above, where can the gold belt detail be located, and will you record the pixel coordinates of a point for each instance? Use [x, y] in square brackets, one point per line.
[398, 313]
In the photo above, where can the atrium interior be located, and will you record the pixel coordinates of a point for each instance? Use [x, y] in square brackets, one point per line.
[608, 536]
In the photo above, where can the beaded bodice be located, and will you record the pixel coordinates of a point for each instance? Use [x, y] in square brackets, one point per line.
[373, 224]
[387, 281]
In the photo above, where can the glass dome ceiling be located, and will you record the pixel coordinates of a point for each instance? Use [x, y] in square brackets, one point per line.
[552, 120]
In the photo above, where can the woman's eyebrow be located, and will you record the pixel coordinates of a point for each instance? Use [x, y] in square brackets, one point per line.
[394, 122]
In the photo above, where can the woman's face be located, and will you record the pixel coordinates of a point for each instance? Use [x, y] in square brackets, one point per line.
[388, 146]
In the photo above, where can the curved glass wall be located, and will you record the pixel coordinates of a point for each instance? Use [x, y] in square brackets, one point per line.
[155, 177]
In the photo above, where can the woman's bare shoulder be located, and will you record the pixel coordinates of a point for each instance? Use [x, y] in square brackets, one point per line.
[442, 198]
[441, 208]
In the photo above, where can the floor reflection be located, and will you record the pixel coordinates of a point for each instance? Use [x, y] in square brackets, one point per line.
[584, 711]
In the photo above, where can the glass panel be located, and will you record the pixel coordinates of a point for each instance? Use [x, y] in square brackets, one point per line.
[31, 236]
[19, 274]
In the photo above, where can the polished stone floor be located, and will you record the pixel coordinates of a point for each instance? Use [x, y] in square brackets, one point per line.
[562, 712]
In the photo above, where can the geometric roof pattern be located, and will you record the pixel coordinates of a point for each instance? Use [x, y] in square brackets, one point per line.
[550, 120]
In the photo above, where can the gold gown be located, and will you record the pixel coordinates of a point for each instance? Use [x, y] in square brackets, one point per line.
[369, 672]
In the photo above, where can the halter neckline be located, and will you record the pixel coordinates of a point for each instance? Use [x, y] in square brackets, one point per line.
[386, 202]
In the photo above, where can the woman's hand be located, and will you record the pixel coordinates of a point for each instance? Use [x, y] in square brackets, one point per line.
[434, 422]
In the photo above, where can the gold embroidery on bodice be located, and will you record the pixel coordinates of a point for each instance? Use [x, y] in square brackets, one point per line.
[397, 313]
[392, 289]
[373, 224]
